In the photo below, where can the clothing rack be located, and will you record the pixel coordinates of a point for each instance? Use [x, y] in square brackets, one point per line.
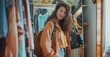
[49, 8]
[44, 6]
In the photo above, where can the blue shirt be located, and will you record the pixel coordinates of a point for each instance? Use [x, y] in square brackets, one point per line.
[3, 19]
[41, 21]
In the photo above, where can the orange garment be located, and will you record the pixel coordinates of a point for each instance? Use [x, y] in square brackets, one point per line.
[49, 48]
[63, 40]
[74, 21]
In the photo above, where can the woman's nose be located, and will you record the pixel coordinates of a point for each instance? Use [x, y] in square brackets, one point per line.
[62, 14]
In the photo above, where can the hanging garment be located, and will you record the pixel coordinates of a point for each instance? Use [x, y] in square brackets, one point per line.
[3, 27]
[26, 38]
[2, 46]
[12, 38]
[42, 19]
[29, 27]
[3, 19]
[42, 11]
[35, 24]
[19, 27]
[32, 34]
[8, 5]
[32, 9]
[21, 48]
[34, 21]
[17, 12]
[4, 12]
[26, 35]
[27, 17]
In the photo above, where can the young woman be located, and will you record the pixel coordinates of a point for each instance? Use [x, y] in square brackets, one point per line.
[61, 46]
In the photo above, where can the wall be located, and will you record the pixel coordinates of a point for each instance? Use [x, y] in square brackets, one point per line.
[89, 13]
[75, 2]
[106, 24]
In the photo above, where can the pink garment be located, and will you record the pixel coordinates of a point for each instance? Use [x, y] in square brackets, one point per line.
[12, 38]
[19, 28]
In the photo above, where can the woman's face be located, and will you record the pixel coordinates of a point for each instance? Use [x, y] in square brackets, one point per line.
[61, 13]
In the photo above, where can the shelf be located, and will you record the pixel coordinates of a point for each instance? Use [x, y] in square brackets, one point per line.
[43, 5]
[84, 5]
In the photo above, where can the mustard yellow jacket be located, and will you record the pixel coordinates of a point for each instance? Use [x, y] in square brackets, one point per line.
[50, 48]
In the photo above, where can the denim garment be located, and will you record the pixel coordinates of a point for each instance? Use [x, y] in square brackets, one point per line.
[41, 21]
[3, 19]
[35, 27]
[8, 5]
[63, 52]
[42, 11]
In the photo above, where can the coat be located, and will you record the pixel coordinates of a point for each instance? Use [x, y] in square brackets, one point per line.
[50, 48]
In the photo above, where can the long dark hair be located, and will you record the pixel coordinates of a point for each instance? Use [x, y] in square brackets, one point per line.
[66, 23]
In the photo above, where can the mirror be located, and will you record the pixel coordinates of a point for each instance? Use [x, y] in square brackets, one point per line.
[44, 8]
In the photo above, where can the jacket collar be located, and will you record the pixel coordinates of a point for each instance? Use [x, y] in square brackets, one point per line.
[57, 25]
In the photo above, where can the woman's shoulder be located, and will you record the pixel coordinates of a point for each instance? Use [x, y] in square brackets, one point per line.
[49, 24]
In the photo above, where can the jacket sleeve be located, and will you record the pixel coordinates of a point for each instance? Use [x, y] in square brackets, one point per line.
[68, 49]
[45, 41]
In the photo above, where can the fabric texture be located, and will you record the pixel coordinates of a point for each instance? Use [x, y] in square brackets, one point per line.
[36, 24]
[2, 44]
[49, 48]
[21, 48]
[107, 54]
[12, 38]
[28, 22]
[63, 40]
[3, 19]
[29, 26]
[42, 19]
[63, 52]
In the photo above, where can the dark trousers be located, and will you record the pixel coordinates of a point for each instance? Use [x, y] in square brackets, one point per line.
[2, 46]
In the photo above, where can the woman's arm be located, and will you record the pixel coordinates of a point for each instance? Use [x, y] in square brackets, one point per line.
[46, 41]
